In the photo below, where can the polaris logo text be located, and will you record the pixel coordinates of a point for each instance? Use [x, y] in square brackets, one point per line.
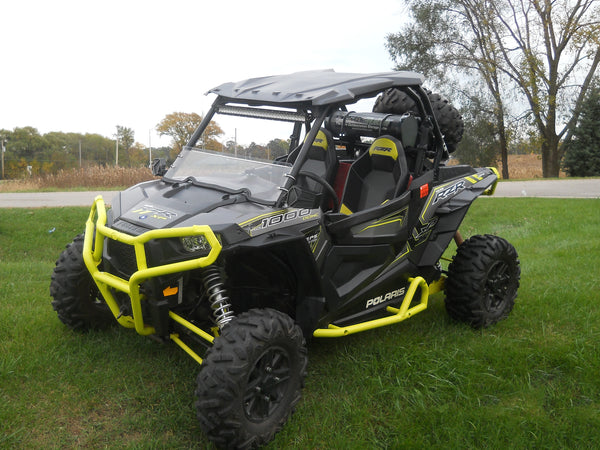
[384, 298]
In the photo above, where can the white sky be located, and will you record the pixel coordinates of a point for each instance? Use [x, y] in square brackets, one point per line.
[85, 67]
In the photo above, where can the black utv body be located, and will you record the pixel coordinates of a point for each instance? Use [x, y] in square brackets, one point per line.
[240, 260]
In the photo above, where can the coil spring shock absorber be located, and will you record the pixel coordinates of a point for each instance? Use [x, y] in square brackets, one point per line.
[217, 296]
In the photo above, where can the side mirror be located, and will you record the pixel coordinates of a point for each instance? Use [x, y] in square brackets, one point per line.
[159, 167]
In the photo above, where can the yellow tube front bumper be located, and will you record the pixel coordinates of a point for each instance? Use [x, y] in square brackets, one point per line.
[96, 232]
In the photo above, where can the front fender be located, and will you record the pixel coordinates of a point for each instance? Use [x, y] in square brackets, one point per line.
[293, 250]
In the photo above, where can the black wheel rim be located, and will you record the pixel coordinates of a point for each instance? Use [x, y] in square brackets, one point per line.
[267, 384]
[497, 285]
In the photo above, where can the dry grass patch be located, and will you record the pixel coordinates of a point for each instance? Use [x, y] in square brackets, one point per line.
[100, 177]
[525, 167]
[93, 177]
[520, 167]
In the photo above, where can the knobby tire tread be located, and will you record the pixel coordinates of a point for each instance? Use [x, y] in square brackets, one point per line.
[222, 380]
[467, 283]
[74, 292]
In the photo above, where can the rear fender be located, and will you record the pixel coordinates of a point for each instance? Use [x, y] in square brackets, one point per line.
[459, 192]
[444, 211]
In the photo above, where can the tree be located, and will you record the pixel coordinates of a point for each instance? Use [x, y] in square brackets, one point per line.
[480, 143]
[56, 150]
[446, 41]
[97, 149]
[582, 153]
[547, 49]
[256, 151]
[180, 127]
[276, 148]
[26, 147]
[231, 147]
[126, 138]
[138, 155]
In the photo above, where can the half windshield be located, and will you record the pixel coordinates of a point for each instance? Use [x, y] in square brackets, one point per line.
[258, 179]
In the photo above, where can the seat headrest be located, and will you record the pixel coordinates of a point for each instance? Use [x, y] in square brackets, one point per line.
[322, 139]
[385, 146]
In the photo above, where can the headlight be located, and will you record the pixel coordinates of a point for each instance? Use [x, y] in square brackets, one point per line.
[196, 244]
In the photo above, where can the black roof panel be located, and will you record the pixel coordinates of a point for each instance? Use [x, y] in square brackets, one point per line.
[315, 87]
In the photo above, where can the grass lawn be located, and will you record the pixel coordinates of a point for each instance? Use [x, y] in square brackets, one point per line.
[530, 381]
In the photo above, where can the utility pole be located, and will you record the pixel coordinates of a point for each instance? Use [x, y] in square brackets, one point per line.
[150, 147]
[80, 153]
[117, 151]
[3, 142]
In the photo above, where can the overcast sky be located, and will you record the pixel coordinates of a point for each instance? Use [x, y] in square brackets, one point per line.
[85, 67]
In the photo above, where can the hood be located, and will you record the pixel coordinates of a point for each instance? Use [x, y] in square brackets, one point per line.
[158, 205]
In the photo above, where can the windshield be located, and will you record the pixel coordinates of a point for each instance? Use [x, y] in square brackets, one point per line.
[260, 180]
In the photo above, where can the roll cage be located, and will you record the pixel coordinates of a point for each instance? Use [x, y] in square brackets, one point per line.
[311, 98]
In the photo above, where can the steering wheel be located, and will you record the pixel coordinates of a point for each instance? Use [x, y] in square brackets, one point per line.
[330, 192]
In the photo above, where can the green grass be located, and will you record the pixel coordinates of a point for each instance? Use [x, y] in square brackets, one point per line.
[530, 381]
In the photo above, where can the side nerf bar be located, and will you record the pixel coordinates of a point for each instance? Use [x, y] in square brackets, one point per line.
[396, 314]
[95, 233]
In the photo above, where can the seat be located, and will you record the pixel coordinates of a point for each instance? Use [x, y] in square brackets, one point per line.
[321, 160]
[378, 175]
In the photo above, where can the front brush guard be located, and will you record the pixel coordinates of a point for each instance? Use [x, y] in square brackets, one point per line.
[95, 233]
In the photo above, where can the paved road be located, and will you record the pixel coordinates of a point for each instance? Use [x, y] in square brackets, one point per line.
[585, 188]
[52, 199]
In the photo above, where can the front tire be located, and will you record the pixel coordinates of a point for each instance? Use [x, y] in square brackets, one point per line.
[76, 298]
[483, 280]
[251, 379]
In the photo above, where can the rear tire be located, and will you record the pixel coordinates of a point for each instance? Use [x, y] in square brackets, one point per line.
[76, 298]
[251, 379]
[483, 280]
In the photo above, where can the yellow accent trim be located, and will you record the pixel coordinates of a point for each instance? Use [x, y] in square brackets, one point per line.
[395, 217]
[95, 233]
[408, 249]
[384, 147]
[375, 225]
[492, 189]
[345, 210]
[396, 314]
[320, 140]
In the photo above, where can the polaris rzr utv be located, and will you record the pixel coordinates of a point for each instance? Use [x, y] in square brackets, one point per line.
[239, 256]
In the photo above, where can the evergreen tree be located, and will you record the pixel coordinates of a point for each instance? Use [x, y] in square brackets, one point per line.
[582, 155]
